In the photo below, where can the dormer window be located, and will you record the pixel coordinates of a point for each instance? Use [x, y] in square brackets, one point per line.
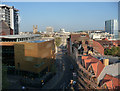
[83, 35]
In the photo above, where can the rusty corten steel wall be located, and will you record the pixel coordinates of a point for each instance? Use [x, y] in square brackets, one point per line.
[30, 54]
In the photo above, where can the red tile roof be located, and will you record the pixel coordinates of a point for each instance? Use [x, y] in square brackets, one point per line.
[111, 81]
[96, 64]
[97, 68]
[90, 59]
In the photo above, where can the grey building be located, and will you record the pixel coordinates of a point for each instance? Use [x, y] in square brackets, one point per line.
[111, 26]
[10, 15]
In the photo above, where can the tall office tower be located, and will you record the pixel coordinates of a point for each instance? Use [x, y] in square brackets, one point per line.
[119, 18]
[111, 26]
[49, 30]
[10, 15]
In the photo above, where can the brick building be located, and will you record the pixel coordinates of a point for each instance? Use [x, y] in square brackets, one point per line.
[76, 40]
[108, 43]
[83, 43]
[5, 29]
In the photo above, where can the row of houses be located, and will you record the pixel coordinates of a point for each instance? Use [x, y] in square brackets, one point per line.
[85, 41]
[93, 73]
[100, 72]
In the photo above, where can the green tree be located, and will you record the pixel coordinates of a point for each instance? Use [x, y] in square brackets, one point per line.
[118, 54]
[109, 52]
[58, 41]
[114, 51]
[106, 51]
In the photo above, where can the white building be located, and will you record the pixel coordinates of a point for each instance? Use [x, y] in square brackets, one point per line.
[10, 15]
[98, 35]
[49, 30]
[111, 26]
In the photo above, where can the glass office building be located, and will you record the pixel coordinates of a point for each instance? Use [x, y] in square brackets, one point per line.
[111, 26]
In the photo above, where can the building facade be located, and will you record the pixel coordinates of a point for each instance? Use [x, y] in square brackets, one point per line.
[10, 15]
[33, 56]
[49, 30]
[111, 26]
[19, 38]
[99, 35]
[5, 29]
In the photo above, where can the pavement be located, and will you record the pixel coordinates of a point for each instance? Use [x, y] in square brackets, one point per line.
[14, 82]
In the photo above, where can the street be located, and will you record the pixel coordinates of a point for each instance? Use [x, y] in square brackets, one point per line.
[63, 75]
[61, 80]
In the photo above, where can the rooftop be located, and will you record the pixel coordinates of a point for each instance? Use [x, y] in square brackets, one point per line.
[111, 70]
[111, 81]
[19, 36]
[37, 41]
[3, 5]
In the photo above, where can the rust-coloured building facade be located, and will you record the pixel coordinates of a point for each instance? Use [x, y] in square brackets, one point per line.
[30, 56]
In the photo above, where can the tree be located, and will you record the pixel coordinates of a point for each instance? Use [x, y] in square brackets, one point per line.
[118, 54]
[106, 51]
[58, 41]
[114, 51]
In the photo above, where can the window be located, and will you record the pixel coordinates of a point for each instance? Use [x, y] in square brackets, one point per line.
[86, 42]
[83, 35]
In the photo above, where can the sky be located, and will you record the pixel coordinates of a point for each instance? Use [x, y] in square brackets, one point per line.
[72, 16]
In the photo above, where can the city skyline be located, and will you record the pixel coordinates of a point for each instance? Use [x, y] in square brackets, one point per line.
[70, 16]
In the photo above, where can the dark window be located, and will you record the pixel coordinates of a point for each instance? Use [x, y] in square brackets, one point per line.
[86, 42]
